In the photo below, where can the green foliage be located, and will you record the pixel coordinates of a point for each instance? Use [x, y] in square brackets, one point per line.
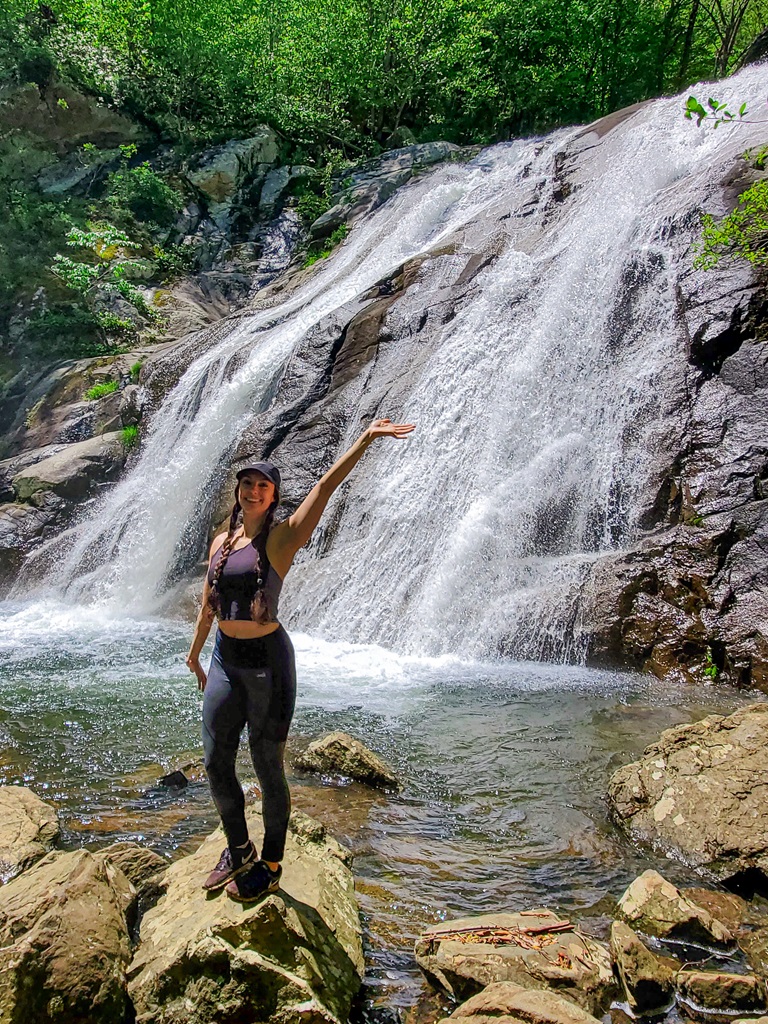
[743, 234]
[136, 370]
[717, 112]
[100, 390]
[320, 249]
[756, 157]
[103, 265]
[346, 75]
[130, 436]
[143, 193]
[710, 668]
[174, 260]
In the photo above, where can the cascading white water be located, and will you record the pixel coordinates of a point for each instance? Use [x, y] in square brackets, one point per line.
[543, 407]
[546, 410]
[125, 551]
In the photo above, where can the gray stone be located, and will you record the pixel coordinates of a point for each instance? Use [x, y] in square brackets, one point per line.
[504, 1002]
[700, 791]
[656, 907]
[295, 955]
[341, 754]
[647, 979]
[64, 942]
[454, 957]
[74, 472]
[132, 400]
[221, 172]
[276, 184]
[29, 829]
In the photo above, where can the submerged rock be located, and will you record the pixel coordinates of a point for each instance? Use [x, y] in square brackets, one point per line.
[561, 959]
[504, 1001]
[699, 791]
[28, 829]
[296, 955]
[341, 754]
[64, 943]
[657, 907]
[647, 979]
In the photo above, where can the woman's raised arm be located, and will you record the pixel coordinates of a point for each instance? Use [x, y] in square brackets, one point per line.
[296, 531]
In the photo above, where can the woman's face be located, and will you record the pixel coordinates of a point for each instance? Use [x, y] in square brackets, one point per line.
[256, 493]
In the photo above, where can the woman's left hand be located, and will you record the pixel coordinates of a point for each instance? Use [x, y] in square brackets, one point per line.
[386, 428]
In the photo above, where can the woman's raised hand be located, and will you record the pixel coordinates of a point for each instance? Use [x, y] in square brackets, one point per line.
[386, 428]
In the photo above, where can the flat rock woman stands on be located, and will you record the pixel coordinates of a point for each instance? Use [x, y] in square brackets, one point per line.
[252, 678]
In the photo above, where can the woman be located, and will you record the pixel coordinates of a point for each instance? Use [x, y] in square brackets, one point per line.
[252, 678]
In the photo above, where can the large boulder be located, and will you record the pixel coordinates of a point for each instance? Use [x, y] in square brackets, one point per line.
[647, 979]
[338, 753]
[536, 949]
[28, 829]
[74, 472]
[504, 1002]
[295, 955]
[64, 942]
[22, 526]
[221, 173]
[700, 792]
[656, 907]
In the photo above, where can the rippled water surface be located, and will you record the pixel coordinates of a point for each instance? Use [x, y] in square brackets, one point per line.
[504, 765]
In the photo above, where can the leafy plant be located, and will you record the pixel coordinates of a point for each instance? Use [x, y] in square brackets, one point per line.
[320, 250]
[743, 234]
[101, 390]
[136, 370]
[130, 436]
[173, 260]
[710, 668]
[104, 265]
[143, 193]
[717, 112]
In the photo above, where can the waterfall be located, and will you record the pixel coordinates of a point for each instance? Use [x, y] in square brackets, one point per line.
[547, 403]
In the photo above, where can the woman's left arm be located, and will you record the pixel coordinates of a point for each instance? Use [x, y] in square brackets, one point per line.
[296, 531]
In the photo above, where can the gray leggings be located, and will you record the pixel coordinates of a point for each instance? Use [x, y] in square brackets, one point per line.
[253, 683]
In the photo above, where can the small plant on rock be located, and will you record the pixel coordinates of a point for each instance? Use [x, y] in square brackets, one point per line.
[710, 668]
[135, 371]
[130, 436]
[100, 390]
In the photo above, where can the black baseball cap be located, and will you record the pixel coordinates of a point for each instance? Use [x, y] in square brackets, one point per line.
[266, 469]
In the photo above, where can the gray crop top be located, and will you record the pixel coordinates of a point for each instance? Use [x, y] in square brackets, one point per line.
[241, 580]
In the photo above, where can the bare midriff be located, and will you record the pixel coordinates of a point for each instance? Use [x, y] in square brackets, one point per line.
[241, 629]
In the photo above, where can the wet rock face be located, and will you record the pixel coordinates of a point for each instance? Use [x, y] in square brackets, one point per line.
[647, 979]
[690, 598]
[717, 990]
[562, 960]
[700, 791]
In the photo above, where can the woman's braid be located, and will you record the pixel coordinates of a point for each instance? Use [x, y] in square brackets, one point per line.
[214, 598]
[259, 611]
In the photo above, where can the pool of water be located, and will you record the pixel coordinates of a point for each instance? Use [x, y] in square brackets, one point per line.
[504, 765]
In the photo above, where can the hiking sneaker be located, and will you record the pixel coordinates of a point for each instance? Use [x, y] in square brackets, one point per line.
[229, 868]
[254, 883]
